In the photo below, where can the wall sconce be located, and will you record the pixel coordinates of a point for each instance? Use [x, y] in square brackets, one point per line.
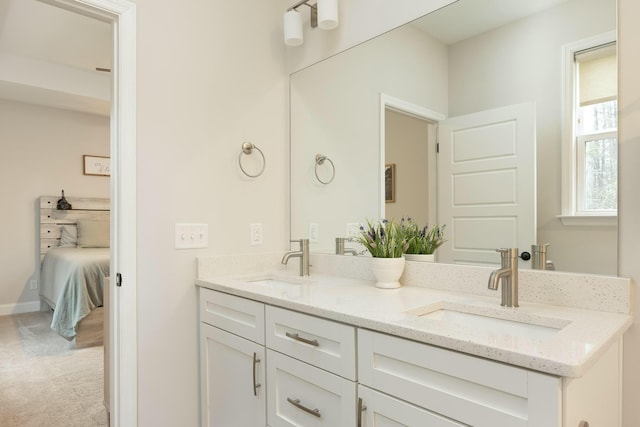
[324, 14]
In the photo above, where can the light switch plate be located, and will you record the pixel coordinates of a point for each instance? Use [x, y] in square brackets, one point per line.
[256, 234]
[192, 236]
[314, 232]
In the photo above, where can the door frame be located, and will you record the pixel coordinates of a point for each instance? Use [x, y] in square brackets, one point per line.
[123, 311]
[422, 113]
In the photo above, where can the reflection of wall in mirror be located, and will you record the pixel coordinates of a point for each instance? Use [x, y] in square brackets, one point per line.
[341, 118]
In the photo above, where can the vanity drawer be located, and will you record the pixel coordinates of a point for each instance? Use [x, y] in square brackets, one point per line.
[302, 395]
[466, 388]
[237, 315]
[323, 343]
[378, 409]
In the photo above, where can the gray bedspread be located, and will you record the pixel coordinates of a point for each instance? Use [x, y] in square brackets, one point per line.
[71, 282]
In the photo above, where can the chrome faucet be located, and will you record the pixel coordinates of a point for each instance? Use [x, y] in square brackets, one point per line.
[508, 274]
[340, 249]
[539, 259]
[303, 254]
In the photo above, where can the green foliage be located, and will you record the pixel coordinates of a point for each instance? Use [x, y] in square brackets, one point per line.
[421, 240]
[383, 239]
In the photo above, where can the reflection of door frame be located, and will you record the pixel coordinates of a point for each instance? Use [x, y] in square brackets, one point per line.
[123, 355]
[433, 117]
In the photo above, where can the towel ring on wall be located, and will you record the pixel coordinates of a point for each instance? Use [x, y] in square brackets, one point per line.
[320, 159]
[247, 148]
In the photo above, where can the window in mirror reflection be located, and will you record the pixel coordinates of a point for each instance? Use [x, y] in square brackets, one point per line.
[595, 122]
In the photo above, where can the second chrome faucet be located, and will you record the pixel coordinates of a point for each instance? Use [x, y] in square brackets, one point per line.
[508, 275]
[303, 254]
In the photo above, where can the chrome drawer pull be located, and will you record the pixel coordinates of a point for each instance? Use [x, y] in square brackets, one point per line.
[361, 409]
[255, 384]
[297, 337]
[297, 404]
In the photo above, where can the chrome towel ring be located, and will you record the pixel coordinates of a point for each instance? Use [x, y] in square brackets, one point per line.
[320, 159]
[247, 148]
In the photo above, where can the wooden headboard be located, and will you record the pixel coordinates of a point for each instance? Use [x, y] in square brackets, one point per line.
[52, 219]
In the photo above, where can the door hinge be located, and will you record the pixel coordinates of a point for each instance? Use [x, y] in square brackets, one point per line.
[437, 147]
[118, 279]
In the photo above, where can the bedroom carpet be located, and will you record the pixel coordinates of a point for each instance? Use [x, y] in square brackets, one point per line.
[44, 381]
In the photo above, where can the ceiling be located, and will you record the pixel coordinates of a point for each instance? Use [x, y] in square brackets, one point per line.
[474, 17]
[49, 57]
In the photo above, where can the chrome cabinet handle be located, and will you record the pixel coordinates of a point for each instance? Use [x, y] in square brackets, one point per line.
[255, 364]
[297, 404]
[297, 337]
[361, 409]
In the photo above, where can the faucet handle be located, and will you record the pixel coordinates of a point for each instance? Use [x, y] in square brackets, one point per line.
[508, 252]
[303, 242]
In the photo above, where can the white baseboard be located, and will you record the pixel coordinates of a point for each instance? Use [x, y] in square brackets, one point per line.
[19, 307]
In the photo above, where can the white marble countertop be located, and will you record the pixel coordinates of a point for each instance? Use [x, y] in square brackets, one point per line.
[575, 341]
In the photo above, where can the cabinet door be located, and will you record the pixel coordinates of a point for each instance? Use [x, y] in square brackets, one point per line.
[301, 395]
[380, 410]
[232, 380]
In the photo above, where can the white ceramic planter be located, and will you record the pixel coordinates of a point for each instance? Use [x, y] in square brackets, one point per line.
[387, 271]
[420, 257]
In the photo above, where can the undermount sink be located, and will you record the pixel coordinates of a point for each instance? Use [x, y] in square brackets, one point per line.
[498, 321]
[278, 282]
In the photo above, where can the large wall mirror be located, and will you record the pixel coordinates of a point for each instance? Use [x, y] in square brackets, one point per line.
[380, 104]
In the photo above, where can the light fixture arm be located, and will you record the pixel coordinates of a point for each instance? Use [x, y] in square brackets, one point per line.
[314, 11]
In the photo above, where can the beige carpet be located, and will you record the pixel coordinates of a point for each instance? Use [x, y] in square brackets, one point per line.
[44, 381]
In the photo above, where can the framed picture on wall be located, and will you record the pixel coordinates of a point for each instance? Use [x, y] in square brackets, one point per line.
[390, 183]
[97, 165]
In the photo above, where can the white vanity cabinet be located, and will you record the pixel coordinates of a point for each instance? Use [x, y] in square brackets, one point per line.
[232, 361]
[267, 366]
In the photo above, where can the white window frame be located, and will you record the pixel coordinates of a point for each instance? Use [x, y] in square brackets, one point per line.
[570, 166]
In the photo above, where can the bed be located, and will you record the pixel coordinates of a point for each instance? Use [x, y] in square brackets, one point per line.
[75, 259]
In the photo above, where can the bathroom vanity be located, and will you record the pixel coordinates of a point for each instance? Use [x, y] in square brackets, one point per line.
[328, 350]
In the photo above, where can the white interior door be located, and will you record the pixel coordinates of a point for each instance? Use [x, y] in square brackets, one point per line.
[486, 183]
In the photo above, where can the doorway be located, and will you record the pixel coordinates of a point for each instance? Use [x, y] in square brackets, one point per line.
[396, 113]
[121, 14]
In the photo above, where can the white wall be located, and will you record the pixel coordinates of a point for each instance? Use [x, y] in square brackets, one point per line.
[42, 151]
[342, 120]
[211, 74]
[519, 63]
[629, 202]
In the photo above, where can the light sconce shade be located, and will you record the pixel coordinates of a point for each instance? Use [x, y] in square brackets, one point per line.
[327, 14]
[293, 28]
[324, 14]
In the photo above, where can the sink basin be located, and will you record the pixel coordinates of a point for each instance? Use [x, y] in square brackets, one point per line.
[289, 286]
[490, 321]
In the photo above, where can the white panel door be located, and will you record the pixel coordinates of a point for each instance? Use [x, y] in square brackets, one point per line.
[486, 184]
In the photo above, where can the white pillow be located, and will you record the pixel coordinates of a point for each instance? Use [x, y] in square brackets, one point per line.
[68, 236]
[93, 233]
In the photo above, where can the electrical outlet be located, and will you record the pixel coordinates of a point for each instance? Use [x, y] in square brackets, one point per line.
[314, 232]
[256, 234]
[352, 229]
[192, 236]
[33, 284]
